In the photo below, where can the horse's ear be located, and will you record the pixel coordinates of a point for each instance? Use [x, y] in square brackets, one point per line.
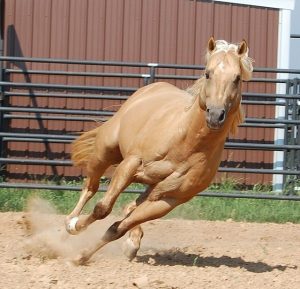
[243, 48]
[246, 62]
[211, 45]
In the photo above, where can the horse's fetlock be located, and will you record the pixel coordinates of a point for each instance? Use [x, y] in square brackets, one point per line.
[113, 233]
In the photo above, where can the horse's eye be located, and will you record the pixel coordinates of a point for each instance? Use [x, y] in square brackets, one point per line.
[237, 79]
[207, 75]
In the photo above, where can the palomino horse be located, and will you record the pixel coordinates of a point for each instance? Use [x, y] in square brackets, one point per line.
[167, 138]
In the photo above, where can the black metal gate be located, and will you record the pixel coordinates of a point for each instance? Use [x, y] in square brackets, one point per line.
[292, 138]
[19, 82]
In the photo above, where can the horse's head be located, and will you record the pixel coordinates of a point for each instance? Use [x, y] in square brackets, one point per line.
[227, 65]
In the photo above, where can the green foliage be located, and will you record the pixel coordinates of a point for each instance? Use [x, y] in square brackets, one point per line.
[292, 186]
[206, 208]
[226, 185]
[13, 199]
[248, 210]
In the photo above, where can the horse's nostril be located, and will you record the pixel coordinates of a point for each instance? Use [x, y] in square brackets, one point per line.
[222, 116]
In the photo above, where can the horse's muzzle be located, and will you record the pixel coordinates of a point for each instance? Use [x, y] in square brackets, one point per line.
[215, 117]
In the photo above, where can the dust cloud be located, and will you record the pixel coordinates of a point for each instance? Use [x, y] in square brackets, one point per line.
[48, 239]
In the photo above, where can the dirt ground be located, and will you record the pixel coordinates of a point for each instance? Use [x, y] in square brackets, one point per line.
[174, 254]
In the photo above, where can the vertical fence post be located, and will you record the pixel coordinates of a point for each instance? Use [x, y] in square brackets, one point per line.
[291, 131]
[287, 136]
[152, 71]
[1, 112]
[294, 140]
[287, 127]
[297, 138]
[279, 157]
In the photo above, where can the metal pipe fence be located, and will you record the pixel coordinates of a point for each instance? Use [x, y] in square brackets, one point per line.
[151, 72]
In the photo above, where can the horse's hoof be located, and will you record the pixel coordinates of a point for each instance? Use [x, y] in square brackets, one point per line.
[80, 260]
[129, 249]
[71, 226]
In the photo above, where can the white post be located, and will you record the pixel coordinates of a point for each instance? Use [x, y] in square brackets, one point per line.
[284, 32]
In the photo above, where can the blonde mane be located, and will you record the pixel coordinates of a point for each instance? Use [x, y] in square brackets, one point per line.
[245, 60]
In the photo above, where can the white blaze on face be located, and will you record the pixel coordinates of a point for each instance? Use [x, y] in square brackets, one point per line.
[221, 66]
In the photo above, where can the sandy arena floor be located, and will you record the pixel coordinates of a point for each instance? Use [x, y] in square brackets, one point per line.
[174, 254]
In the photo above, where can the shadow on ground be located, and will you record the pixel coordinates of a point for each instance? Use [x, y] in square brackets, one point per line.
[173, 258]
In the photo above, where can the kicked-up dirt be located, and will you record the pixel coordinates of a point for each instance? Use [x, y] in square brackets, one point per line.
[36, 253]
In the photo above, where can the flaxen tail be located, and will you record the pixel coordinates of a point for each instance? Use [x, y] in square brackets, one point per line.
[83, 148]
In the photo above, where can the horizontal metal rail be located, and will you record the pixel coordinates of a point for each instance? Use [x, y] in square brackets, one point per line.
[111, 113]
[231, 145]
[263, 125]
[25, 161]
[78, 73]
[139, 191]
[259, 171]
[131, 64]
[51, 117]
[191, 77]
[35, 140]
[125, 75]
[295, 35]
[274, 121]
[38, 135]
[103, 119]
[255, 102]
[66, 95]
[118, 89]
[87, 62]
[67, 87]
[56, 110]
[124, 97]
[271, 95]
[256, 146]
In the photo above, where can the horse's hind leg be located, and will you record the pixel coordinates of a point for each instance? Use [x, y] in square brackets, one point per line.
[122, 177]
[95, 170]
[133, 242]
[146, 211]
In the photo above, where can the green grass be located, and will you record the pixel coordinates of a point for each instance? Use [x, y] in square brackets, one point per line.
[205, 208]
[248, 210]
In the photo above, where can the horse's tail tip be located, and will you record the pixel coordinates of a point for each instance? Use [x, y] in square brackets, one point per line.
[83, 148]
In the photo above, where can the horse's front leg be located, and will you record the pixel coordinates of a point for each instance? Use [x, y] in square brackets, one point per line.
[122, 177]
[95, 170]
[90, 188]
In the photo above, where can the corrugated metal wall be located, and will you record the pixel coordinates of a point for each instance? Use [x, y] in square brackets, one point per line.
[164, 31]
